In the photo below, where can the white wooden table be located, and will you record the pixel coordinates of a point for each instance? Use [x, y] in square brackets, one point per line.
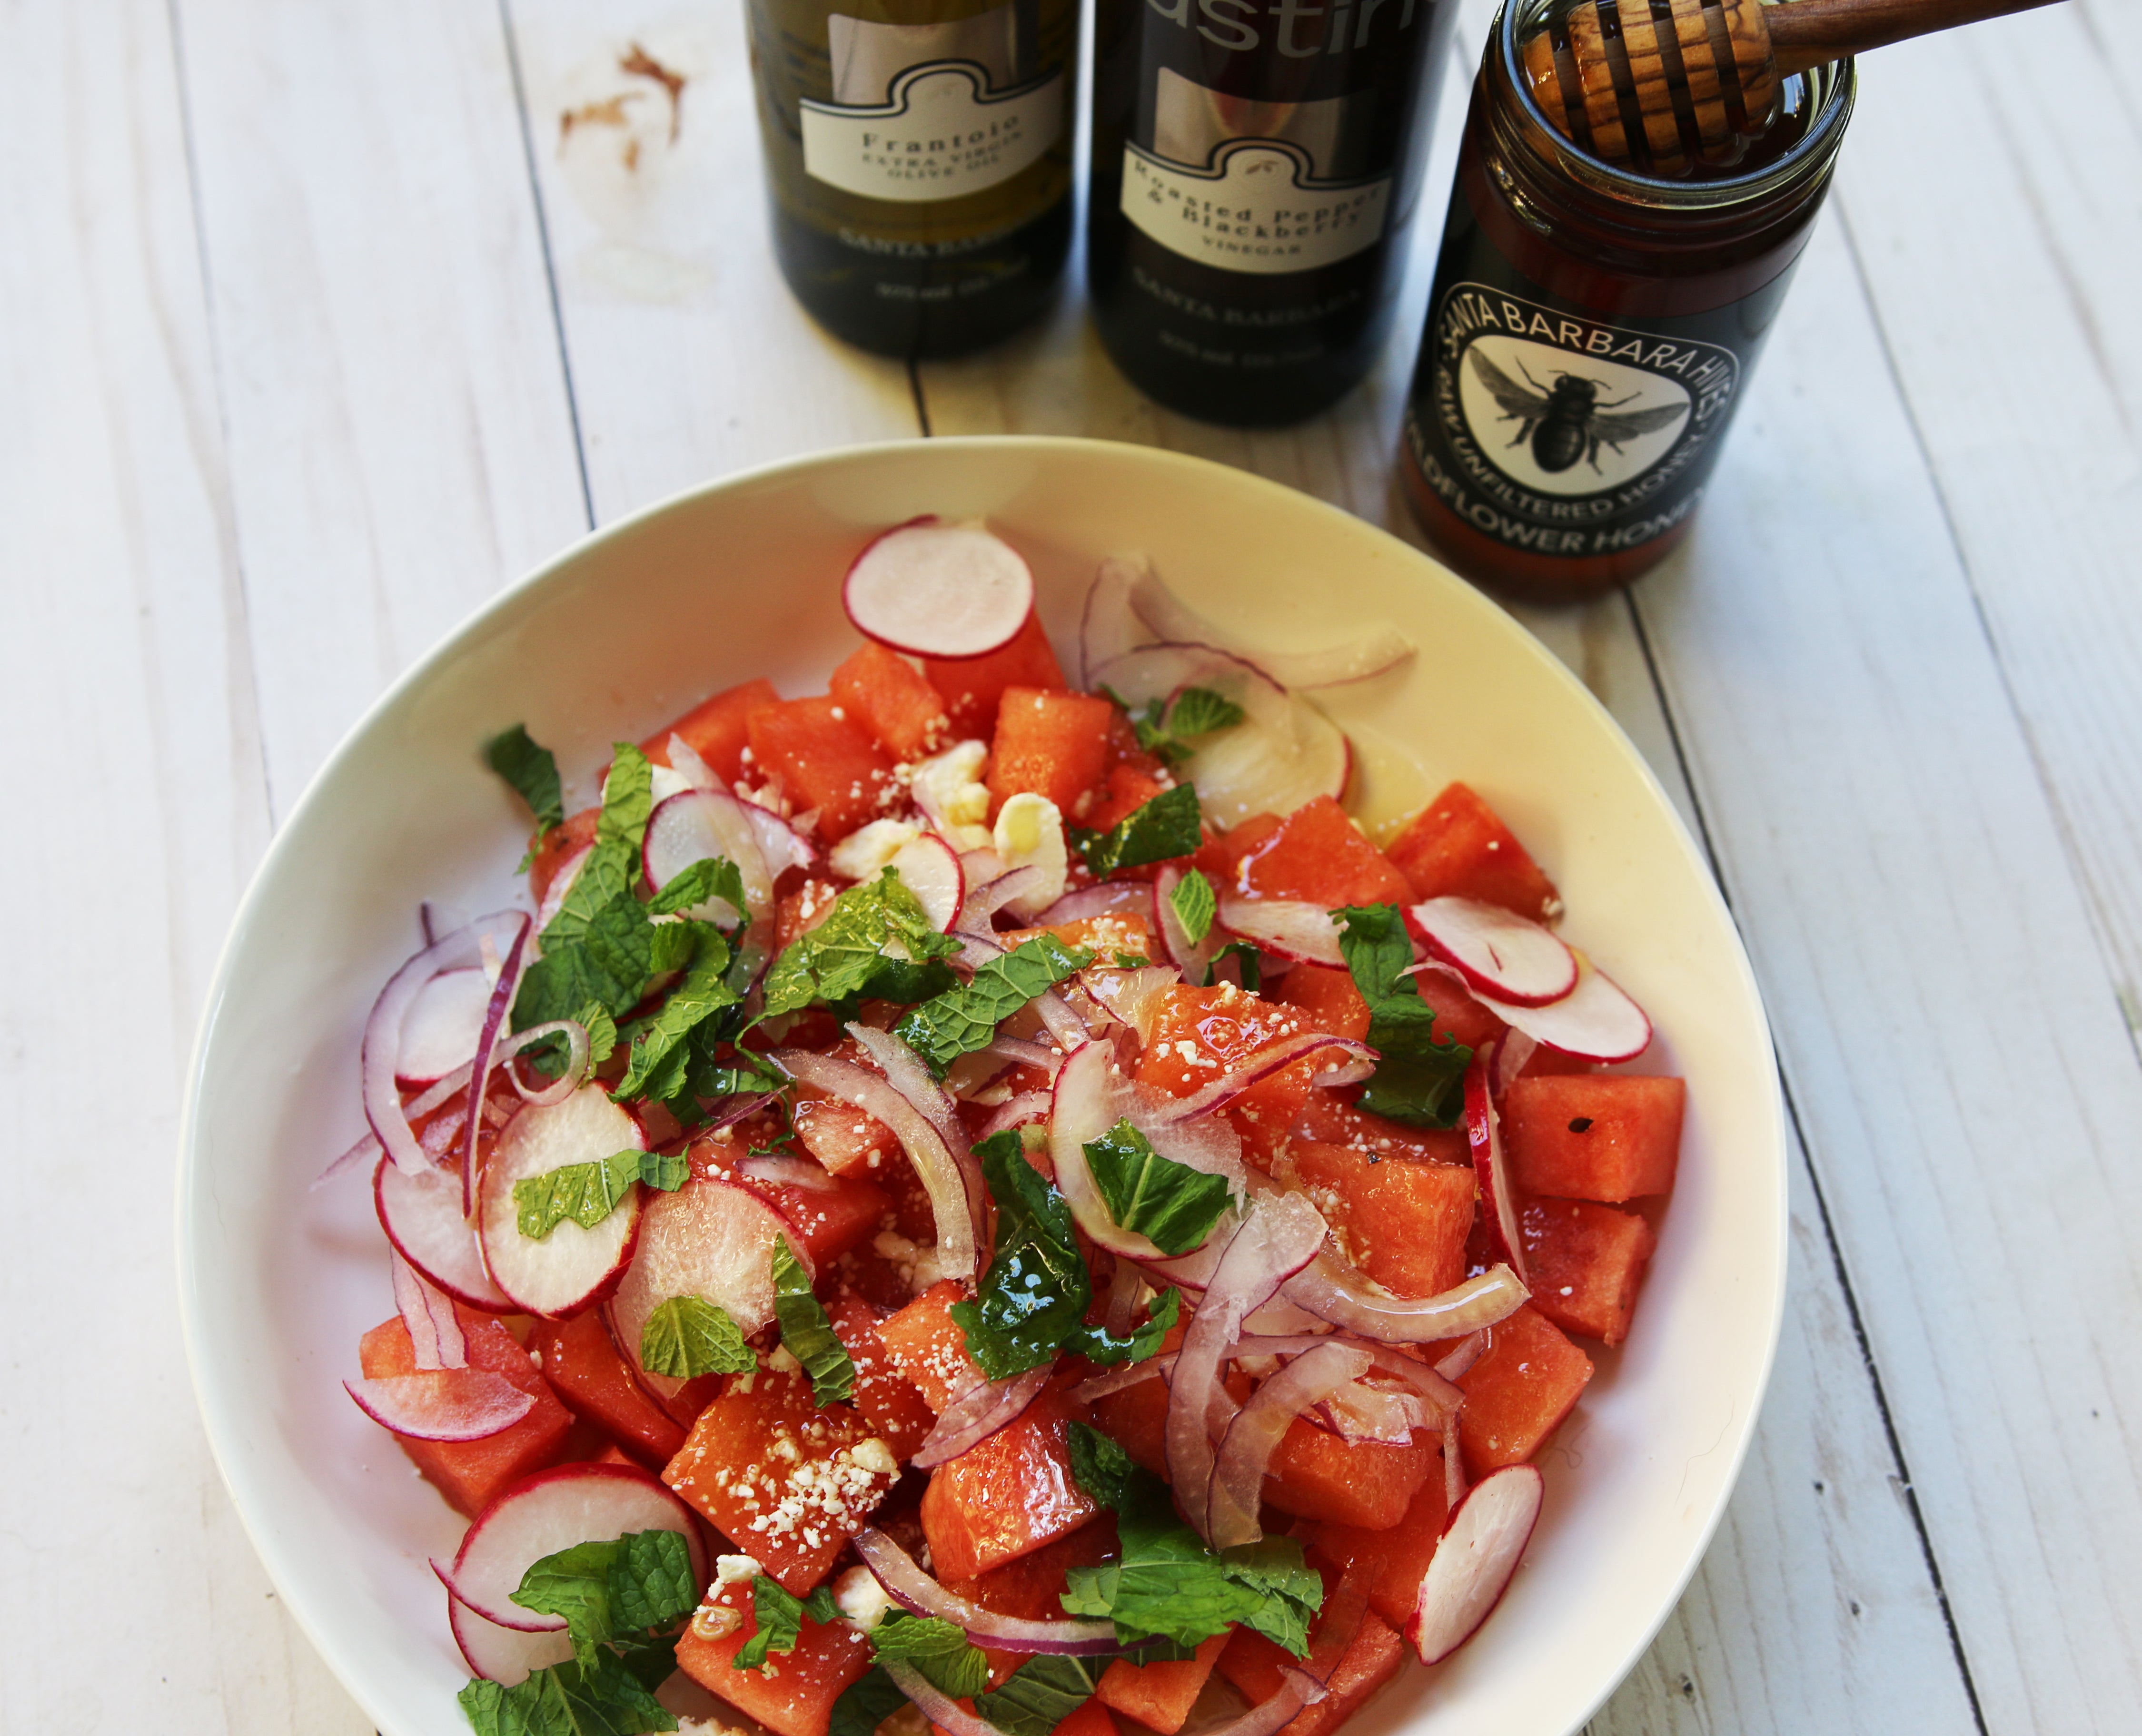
[314, 333]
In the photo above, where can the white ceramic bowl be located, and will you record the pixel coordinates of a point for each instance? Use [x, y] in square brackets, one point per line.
[741, 579]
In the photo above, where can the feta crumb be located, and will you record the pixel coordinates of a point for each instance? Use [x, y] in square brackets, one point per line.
[728, 1569]
[1029, 834]
[947, 786]
[860, 1598]
[779, 1360]
[875, 1457]
[866, 850]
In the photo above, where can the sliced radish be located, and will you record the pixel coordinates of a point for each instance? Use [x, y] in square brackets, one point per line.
[1382, 647]
[780, 843]
[1596, 1021]
[939, 589]
[571, 1268]
[551, 1511]
[1483, 1133]
[1108, 627]
[1496, 951]
[709, 1239]
[443, 1404]
[503, 1654]
[439, 1031]
[561, 882]
[690, 827]
[928, 868]
[1285, 752]
[421, 1215]
[1471, 1568]
[1289, 927]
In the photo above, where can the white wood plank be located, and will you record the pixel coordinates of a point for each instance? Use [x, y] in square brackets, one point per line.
[127, 686]
[690, 357]
[1943, 1011]
[2007, 156]
[400, 435]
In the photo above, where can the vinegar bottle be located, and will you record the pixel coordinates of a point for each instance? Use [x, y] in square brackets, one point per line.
[918, 156]
[1256, 166]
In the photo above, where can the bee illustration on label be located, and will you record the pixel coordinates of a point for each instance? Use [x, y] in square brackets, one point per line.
[1566, 421]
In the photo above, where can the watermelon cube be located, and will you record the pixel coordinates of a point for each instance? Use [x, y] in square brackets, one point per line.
[715, 729]
[825, 759]
[469, 1473]
[786, 1481]
[1198, 1034]
[1053, 743]
[1401, 1221]
[1252, 1663]
[1525, 1382]
[1031, 1587]
[1329, 1117]
[1136, 1419]
[1159, 1695]
[826, 1219]
[1126, 789]
[1587, 1261]
[1329, 997]
[581, 1361]
[794, 1695]
[890, 1402]
[550, 851]
[1316, 1475]
[971, 686]
[1395, 1559]
[926, 1344]
[1605, 1137]
[887, 695]
[1458, 846]
[1317, 854]
[1006, 1497]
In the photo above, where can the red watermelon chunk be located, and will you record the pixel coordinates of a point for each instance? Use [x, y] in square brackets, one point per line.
[895, 1406]
[825, 759]
[581, 1362]
[1458, 846]
[1319, 855]
[1316, 1475]
[883, 691]
[1525, 1382]
[1051, 744]
[1587, 1261]
[1401, 1221]
[1160, 1695]
[1606, 1136]
[715, 728]
[1395, 1558]
[971, 686]
[795, 1697]
[926, 1345]
[1007, 1497]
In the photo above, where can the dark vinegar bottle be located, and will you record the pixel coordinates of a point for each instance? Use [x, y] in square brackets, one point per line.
[918, 159]
[1255, 167]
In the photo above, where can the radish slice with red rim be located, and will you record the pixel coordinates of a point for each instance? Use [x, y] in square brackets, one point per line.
[1496, 951]
[505, 1655]
[440, 1030]
[986, 900]
[1291, 928]
[939, 589]
[1475, 1561]
[710, 1239]
[781, 846]
[928, 867]
[569, 1268]
[1596, 1021]
[1245, 1453]
[1383, 647]
[696, 824]
[1352, 1300]
[977, 1413]
[421, 1215]
[914, 1589]
[443, 1404]
[1483, 1133]
[551, 1511]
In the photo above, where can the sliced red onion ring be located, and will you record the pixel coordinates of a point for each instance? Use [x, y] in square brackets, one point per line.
[1359, 1413]
[1289, 927]
[1429, 1383]
[443, 1404]
[916, 1592]
[1483, 1133]
[1512, 1051]
[1124, 1283]
[1192, 958]
[976, 1414]
[942, 1174]
[1382, 647]
[1115, 1380]
[366, 1150]
[1107, 626]
[494, 1018]
[1017, 1111]
[1026, 1054]
[436, 1338]
[1343, 1613]
[1221, 1093]
[1295, 1691]
[906, 1072]
[940, 1709]
[1245, 1453]
[568, 1081]
[1111, 898]
[1337, 1293]
[382, 1031]
[1466, 1353]
[777, 1170]
[1132, 997]
[1277, 1236]
[984, 901]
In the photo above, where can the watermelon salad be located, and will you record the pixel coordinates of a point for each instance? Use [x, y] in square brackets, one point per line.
[977, 1199]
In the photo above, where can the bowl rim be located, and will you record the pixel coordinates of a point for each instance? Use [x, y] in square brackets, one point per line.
[277, 1555]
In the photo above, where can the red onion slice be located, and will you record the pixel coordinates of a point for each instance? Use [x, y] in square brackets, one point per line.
[940, 1709]
[1295, 1691]
[1382, 647]
[941, 1173]
[435, 1331]
[1221, 1093]
[1111, 898]
[1360, 1412]
[1496, 951]
[494, 1018]
[906, 1072]
[984, 901]
[1192, 958]
[1289, 927]
[381, 1046]
[1430, 1383]
[1025, 1053]
[1512, 1051]
[1337, 1293]
[443, 1404]
[1017, 1111]
[574, 1076]
[1245, 1453]
[1466, 1353]
[1107, 626]
[1133, 997]
[1483, 1133]
[1475, 1561]
[1278, 1235]
[1115, 1380]
[976, 1414]
[776, 1170]
[916, 1592]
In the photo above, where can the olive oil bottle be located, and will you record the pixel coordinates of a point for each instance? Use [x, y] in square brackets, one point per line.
[1255, 167]
[918, 156]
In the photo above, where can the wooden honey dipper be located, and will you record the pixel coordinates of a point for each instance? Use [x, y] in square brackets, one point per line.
[1664, 82]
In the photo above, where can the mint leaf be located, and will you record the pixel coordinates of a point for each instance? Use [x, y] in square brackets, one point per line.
[604, 1699]
[1041, 1693]
[1195, 905]
[1200, 710]
[1171, 1204]
[613, 864]
[940, 1650]
[651, 1584]
[658, 1066]
[602, 1033]
[532, 770]
[866, 1703]
[587, 1193]
[1166, 827]
[688, 1336]
[963, 1019]
[665, 1170]
[1419, 1077]
[807, 1331]
[1096, 1344]
[709, 877]
[851, 954]
[627, 1585]
[1035, 1294]
[1166, 1585]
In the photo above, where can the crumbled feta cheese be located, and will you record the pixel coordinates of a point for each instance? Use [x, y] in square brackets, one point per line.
[947, 787]
[667, 782]
[781, 1361]
[874, 1454]
[1029, 834]
[728, 1569]
[866, 850]
[860, 1598]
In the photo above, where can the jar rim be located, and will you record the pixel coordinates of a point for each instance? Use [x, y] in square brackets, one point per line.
[1834, 84]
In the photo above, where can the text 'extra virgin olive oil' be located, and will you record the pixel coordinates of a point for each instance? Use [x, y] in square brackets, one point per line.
[1255, 167]
[918, 158]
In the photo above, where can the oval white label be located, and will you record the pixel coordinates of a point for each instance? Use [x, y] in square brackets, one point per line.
[940, 136]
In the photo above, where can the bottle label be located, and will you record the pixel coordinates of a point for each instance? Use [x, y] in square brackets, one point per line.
[1558, 432]
[1256, 209]
[941, 133]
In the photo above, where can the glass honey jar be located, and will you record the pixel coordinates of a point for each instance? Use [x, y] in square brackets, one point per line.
[1593, 327]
